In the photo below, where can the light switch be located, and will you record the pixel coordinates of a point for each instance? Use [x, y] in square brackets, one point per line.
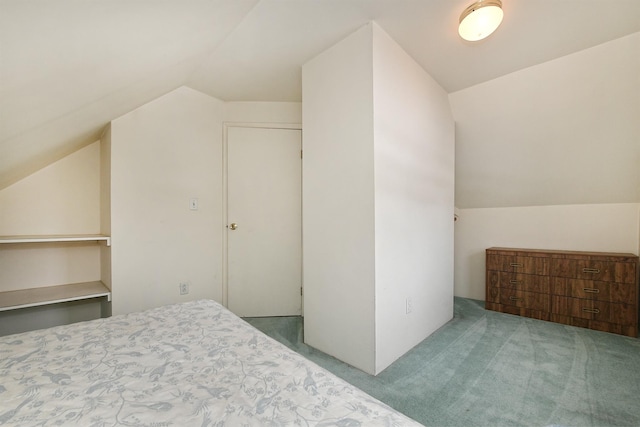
[193, 204]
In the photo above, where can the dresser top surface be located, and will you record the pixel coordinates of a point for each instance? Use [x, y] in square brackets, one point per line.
[564, 253]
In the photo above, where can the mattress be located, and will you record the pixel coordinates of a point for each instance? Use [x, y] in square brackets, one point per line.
[191, 364]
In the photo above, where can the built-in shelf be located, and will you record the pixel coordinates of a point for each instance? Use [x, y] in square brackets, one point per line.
[34, 297]
[57, 238]
[23, 298]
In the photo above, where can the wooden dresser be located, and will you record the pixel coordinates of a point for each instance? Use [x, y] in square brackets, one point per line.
[596, 290]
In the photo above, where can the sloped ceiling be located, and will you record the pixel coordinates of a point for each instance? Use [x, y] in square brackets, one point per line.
[68, 67]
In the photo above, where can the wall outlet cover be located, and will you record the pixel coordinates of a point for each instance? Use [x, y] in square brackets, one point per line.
[184, 288]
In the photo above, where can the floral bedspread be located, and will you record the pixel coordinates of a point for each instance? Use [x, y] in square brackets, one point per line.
[191, 364]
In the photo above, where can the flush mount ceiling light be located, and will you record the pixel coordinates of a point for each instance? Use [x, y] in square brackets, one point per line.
[480, 19]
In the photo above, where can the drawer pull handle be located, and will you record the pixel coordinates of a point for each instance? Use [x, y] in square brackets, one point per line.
[515, 282]
[591, 310]
[591, 270]
[515, 299]
[516, 264]
[591, 290]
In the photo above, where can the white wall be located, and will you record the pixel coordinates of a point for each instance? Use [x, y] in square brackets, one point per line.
[338, 201]
[559, 133]
[105, 205]
[414, 192]
[162, 155]
[377, 201]
[62, 198]
[263, 112]
[547, 157]
[606, 227]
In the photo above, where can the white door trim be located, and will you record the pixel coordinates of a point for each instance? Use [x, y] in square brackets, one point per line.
[225, 199]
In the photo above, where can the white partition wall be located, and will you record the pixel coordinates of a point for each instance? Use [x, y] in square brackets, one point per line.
[338, 201]
[414, 201]
[377, 201]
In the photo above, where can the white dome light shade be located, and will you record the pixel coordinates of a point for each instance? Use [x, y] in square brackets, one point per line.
[480, 20]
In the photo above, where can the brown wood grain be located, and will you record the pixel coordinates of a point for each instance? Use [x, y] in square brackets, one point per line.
[524, 282]
[493, 286]
[597, 290]
[523, 299]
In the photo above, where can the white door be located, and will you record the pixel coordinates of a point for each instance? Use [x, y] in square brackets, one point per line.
[264, 221]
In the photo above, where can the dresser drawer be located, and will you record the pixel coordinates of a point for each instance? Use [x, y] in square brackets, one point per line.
[524, 282]
[605, 271]
[602, 311]
[595, 290]
[581, 308]
[624, 314]
[518, 264]
[523, 299]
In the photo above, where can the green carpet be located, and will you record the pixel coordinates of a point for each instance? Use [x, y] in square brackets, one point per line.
[491, 369]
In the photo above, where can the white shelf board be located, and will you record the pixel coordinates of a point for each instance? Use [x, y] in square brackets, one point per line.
[57, 238]
[12, 300]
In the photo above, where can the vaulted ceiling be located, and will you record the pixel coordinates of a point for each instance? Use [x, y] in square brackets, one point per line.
[68, 67]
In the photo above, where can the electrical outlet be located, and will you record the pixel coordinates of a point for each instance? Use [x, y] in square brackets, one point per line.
[184, 288]
[409, 305]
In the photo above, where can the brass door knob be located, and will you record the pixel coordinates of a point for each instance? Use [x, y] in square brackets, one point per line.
[233, 226]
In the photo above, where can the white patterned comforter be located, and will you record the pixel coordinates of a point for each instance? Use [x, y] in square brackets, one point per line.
[180, 365]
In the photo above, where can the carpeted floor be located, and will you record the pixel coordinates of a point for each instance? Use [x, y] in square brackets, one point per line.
[490, 369]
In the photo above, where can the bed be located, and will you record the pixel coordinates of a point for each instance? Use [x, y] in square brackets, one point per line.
[190, 364]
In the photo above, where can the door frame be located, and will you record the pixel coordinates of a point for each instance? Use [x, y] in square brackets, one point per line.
[225, 198]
